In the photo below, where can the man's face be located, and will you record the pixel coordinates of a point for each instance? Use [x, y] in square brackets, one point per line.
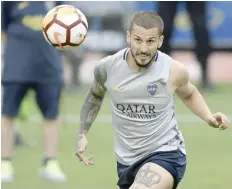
[144, 44]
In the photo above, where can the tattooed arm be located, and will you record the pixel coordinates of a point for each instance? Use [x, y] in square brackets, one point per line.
[90, 109]
[94, 99]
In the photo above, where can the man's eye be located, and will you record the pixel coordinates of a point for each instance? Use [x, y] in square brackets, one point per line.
[150, 41]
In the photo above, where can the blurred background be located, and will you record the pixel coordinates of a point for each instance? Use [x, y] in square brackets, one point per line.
[109, 21]
[209, 150]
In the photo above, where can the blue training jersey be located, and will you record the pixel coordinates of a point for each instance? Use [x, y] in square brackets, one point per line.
[28, 57]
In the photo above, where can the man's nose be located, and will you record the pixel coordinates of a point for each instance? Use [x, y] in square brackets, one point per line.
[143, 48]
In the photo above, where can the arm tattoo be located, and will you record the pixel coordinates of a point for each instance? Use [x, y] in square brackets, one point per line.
[94, 99]
[147, 177]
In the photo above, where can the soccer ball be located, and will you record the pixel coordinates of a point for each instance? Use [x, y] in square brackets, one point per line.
[65, 27]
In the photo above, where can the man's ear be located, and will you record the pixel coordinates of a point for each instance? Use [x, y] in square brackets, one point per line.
[161, 39]
[128, 37]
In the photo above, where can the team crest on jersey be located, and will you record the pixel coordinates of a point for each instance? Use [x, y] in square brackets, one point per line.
[152, 89]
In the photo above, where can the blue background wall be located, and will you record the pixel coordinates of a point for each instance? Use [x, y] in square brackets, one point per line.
[219, 17]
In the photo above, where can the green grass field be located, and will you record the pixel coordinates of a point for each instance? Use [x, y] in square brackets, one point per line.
[209, 150]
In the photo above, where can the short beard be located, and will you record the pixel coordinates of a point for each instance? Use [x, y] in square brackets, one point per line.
[142, 66]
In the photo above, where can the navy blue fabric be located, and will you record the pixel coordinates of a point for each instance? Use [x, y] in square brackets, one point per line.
[173, 161]
[47, 98]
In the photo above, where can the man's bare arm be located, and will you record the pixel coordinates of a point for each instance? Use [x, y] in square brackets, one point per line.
[94, 99]
[189, 94]
[195, 102]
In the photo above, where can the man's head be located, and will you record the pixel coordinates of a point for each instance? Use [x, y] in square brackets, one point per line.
[145, 37]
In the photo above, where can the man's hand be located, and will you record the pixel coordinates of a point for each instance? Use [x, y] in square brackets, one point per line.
[81, 147]
[218, 120]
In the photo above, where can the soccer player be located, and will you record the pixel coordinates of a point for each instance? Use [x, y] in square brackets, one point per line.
[29, 63]
[141, 82]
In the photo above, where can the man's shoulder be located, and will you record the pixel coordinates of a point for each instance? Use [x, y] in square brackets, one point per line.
[178, 71]
[178, 67]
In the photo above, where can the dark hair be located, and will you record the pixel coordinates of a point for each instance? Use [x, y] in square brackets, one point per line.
[147, 20]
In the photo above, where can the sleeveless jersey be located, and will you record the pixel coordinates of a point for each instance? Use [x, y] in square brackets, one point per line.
[143, 115]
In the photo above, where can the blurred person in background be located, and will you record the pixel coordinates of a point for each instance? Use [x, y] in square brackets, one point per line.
[23, 115]
[197, 12]
[29, 63]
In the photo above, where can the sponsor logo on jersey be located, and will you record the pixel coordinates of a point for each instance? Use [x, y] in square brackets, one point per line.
[137, 111]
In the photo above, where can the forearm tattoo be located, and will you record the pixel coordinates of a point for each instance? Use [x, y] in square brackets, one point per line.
[147, 177]
[93, 100]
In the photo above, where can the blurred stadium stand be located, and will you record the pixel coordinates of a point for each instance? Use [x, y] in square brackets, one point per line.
[108, 20]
